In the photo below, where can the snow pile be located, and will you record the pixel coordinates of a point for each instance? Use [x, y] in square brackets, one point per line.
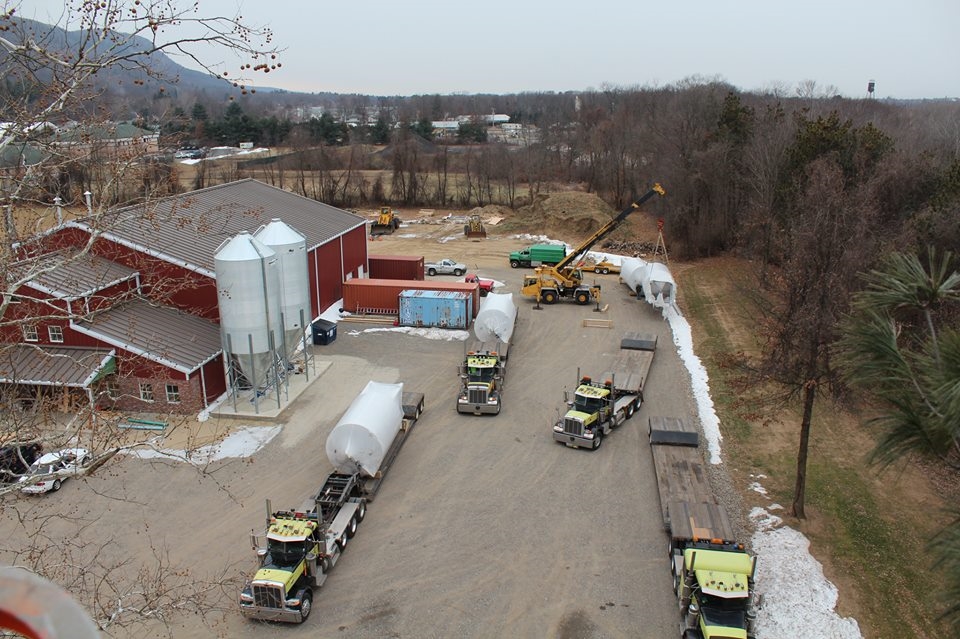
[683, 338]
[241, 443]
[798, 601]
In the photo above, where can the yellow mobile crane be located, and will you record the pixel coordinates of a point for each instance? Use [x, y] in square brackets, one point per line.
[565, 279]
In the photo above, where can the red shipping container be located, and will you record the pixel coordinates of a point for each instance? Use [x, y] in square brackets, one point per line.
[395, 267]
[382, 297]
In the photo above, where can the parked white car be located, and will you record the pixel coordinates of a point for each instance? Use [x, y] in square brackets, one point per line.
[54, 468]
[445, 267]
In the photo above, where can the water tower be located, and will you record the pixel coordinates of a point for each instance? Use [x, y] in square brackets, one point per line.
[248, 295]
[871, 85]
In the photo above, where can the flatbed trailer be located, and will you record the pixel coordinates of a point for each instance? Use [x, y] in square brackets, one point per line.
[687, 503]
[712, 574]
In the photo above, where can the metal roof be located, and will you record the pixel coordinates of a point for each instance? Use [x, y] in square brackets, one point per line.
[52, 365]
[161, 334]
[187, 229]
[74, 276]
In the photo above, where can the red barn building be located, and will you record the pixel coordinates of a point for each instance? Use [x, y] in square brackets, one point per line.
[134, 322]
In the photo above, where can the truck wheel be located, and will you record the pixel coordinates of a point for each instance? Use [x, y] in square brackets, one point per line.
[630, 409]
[514, 264]
[361, 511]
[605, 271]
[598, 439]
[431, 271]
[352, 527]
[342, 542]
[305, 606]
[457, 272]
[549, 297]
[583, 297]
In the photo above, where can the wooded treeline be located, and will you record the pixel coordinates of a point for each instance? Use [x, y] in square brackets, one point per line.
[736, 165]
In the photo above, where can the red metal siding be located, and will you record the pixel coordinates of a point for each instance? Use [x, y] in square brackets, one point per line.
[354, 253]
[325, 269]
[396, 267]
[167, 283]
[383, 296]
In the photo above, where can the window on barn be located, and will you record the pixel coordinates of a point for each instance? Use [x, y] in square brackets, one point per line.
[113, 389]
[173, 394]
[55, 333]
[30, 334]
[146, 391]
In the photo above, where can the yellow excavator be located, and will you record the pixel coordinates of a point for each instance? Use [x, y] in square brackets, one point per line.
[387, 222]
[564, 280]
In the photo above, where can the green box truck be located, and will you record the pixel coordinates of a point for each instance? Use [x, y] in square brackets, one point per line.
[538, 254]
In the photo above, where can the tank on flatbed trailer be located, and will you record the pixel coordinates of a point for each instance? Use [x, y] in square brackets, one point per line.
[484, 364]
[712, 575]
[601, 404]
[303, 544]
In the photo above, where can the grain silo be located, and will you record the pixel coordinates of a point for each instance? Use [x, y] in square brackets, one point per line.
[291, 249]
[248, 295]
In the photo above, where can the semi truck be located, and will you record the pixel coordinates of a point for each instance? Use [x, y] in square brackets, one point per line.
[713, 575]
[537, 255]
[600, 404]
[564, 280]
[299, 546]
[484, 365]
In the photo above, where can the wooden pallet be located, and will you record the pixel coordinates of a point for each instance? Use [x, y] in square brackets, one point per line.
[597, 323]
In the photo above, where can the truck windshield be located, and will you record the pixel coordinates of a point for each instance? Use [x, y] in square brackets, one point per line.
[477, 374]
[727, 613]
[587, 404]
[285, 554]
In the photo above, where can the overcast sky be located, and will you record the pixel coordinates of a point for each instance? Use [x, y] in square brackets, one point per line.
[408, 47]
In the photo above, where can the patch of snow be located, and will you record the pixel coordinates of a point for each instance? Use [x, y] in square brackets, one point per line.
[449, 238]
[757, 487]
[798, 601]
[240, 443]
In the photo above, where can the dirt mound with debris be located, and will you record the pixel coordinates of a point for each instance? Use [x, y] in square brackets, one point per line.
[574, 215]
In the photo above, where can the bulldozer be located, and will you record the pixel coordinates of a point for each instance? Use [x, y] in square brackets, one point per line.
[387, 222]
[474, 227]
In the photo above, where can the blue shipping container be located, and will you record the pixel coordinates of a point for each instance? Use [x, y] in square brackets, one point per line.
[435, 309]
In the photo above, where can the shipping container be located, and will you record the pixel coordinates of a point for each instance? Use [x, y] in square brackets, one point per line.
[382, 297]
[435, 309]
[395, 267]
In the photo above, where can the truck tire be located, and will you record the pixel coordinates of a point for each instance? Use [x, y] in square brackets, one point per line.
[549, 297]
[306, 605]
[598, 439]
[431, 271]
[361, 511]
[457, 272]
[352, 527]
[514, 264]
[342, 542]
[605, 271]
[583, 298]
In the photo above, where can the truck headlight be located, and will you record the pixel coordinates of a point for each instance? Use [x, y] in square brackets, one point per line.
[293, 603]
[246, 597]
[558, 428]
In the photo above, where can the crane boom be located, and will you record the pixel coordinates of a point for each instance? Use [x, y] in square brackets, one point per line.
[606, 229]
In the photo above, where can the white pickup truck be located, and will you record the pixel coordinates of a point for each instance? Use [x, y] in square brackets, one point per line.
[445, 267]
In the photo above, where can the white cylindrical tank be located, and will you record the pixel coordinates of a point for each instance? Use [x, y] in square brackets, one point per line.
[291, 248]
[248, 295]
[496, 318]
[363, 435]
[658, 286]
[631, 272]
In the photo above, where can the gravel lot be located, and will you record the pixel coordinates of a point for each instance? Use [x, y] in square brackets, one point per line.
[484, 527]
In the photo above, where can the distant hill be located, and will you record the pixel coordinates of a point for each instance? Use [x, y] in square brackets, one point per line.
[126, 87]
